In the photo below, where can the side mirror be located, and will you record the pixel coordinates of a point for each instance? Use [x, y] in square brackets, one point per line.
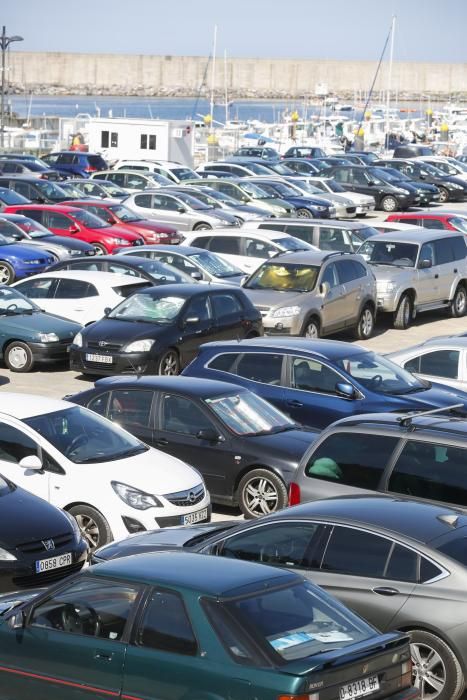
[17, 620]
[371, 183]
[181, 210]
[424, 264]
[107, 310]
[190, 321]
[345, 390]
[197, 275]
[73, 229]
[324, 288]
[31, 462]
[208, 434]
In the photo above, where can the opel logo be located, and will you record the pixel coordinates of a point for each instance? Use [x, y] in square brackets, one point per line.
[192, 497]
[48, 544]
[102, 343]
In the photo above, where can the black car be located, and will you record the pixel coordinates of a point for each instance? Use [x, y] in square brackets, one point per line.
[398, 563]
[151, 270]
[28, 167]
[246, 450]
[302, 166]
[39, 543]
[34, 189]
[358, 178]
[304, 152]
[426, 192]
[452, 189]
[159, 330]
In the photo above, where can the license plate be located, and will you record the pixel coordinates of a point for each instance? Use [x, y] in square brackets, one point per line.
[53, 563]
[357, 689]
[106, 359]
[193, 518]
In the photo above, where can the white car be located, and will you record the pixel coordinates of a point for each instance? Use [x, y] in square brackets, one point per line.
[112, 483]
[364, 203]
[442, 359]
[246, 248]
[80, 295]
[173, 171]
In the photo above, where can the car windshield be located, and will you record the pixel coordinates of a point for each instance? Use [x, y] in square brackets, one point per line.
[455, 548]
[192, 202]
[298, 621]
[6, 238]
[292, 243]
[71, 190]
[88, 219]
[253, 190]
[32, 227]
[50, 190]
[280, 188]
[380, 375]
[205, 198]
[162, 273]
[148, 308]
[396, 175]
[280, 169]
[13, 303]
[389, 253]
[185, 174]
[282, 277]
[5, 486]
[257, 169]
[216, 266]
[301, 186]
[11, 197]
[221, 197]
[360, 235]
[248, 414]
[11, 231]
[160, 179]
[459, 223]
[84, 437]
[427, 169]
[125, 214]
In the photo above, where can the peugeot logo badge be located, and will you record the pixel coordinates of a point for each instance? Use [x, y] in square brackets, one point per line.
[192, 497]
[102, 343]
[48, 544]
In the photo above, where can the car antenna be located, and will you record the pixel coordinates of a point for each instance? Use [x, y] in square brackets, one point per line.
[137, 370]
[406, 420]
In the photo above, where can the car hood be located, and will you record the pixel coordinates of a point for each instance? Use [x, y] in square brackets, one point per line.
[436, 396]
[21, 251]
[359, 198]
[146, 225]
[117, 331]
[71, 243]
[118, 231]
[291, 444]
[249, 209]
[387, 273]
[273, 298]
[39, 322]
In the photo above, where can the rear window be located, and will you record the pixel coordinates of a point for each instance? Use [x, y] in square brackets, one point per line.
[97, 162]
[127, 289]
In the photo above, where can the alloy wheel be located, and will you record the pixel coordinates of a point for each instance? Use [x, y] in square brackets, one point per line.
[89, 529]
[261, 496]
[429, 671]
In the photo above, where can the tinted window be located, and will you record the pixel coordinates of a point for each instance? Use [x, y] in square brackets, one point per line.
[443, 252]
[14, 444]
[132, 406]
[166, 625]
[436, 472]
[225, 305]
[402, 565]
[224, 363]
[180, 415]
[223, 244]
[36, 288]
[99, 404]
[74, 289]
[344, 459]
[330, 276]
[432, 223]
[143, 200]
[255, 248]
[346, 271]
[428, 570]
[459, 250]
[344, 553]
[59, 221]
[310, 375]
[261, 367]
[440, 363]
[198, 308]
[333, 239]
[202, 242]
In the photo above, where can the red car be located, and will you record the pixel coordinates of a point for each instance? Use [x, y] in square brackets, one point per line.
[64, 220]
[114, 212]
[449, 221]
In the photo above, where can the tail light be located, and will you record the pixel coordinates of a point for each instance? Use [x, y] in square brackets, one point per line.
[294, 494]
[312, 696]
[406, 676]
[90, 169]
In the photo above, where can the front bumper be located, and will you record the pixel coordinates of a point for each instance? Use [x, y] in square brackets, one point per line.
[365, 208]
[115, 363]
[50, 352]
[386, 302]
[22, 271]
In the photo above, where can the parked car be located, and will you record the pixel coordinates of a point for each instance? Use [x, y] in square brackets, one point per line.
[75, 163]
[81, 296]
[410, 150]
[449, 166]
[418, 271]
[413, 554]
[306, 205]
[198, 622]
[325, 234]
[245, 449]
[388, 197]
[112, 483]
[181, 210]
[28, 167]
[39, 543]
[31, 232]
[8, 197]
[442, 359]
[114, 212]
[242, 212]
[448, 221]
[236, 169]
[249, 193]
[159, 330]
[131, 180]
[302, 166]
[264, 152]
[364, 203]
[319, 381]
[18, 260]
[34, 189]
[29, 335]
[246, 248]
[343, 206]
[170, 170]
[66, 220]
[97, 188]
[425, 194]
[304, 152]
[201, 265]
[450, 188]
[314, 294]
[365, 157]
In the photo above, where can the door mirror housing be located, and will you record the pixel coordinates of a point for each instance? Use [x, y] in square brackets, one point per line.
[17, 621]
[107, 310]
[197, 275]
[181, 210]
[190, 321]
[424, 264]
[324, 288]
[371, 183]
[345, 390]
[31, 462]
[73, 229]
[208, 434]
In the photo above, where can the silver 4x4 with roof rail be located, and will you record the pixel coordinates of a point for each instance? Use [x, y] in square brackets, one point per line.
[418, 270]
[314, 293]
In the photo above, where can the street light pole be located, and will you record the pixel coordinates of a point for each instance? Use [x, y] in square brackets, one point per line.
[5, 41]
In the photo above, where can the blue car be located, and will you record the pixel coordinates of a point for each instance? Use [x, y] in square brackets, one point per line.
[75, 163]
[317, 382]
[306, 206]
[18, 260]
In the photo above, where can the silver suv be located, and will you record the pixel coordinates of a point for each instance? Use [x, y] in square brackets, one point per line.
[314, 294]
[418, 270]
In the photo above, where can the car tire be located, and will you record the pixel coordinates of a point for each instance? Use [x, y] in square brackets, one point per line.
[304, 213]
[7, 273]
[169, 364]
[18, 357]
[403, 315]
[93, 526]
[458, 305]
[443, 195]
[447, 668]
[260, 492]
[389, 203]
[201, 227]
[311, 329]
[366, 324]
[99, 249]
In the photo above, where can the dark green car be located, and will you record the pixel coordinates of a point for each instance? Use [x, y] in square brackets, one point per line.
[180, 626]
[29, 335]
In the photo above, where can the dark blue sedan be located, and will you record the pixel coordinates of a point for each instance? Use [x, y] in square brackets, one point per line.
[18, 260]
[317, 382]
[306, 206]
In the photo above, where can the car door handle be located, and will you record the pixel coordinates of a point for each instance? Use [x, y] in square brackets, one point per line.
[455, 270]
[436, 276]
[162, 442]
[294, 402]
[384, 590]
[102, 656]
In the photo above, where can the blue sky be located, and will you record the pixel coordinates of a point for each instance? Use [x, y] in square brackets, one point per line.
[426, 30]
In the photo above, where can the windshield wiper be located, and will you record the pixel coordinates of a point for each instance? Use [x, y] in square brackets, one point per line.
[102, 457]
[412, 390]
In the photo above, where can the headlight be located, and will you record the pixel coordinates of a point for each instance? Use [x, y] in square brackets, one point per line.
[32, 262]
[140, 346]
[400, 190]
[6, 556]
[121, 241]
[78, 340]
[387, 286]
[74, 525]
[278, 210]
[320, 208]
[455, 186]
[48, 337]
[286, 311]
[134, 497]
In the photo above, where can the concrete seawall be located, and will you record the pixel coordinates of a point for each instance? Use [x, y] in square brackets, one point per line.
[133, 74]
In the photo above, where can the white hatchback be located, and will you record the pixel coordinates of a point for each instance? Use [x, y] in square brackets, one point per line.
[80, 295]
[113, 484]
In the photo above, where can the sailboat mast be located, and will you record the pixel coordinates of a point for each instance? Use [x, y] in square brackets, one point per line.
[213, 75]
[225, 88]
[388, 93]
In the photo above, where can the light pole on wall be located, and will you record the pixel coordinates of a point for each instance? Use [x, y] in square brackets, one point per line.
[5, 41]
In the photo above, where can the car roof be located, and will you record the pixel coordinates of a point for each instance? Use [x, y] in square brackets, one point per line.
[329, 349]
[203, 574]
[192, 386]
[423, 522]
[102, 203]
[454, 341]
[27, 178]
[74, 153]
[418, 235]
[27, 405]
[93, 276]
[61, 208]
[188, 290]
[307, 257]
[435, 424]
[243, 232]
[161, 248]
[335, 223]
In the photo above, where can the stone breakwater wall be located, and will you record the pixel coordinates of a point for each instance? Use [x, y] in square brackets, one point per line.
[178, 76]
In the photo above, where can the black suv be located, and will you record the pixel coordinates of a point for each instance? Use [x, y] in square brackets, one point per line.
[35, 189]
[388, 197]
[452, 189]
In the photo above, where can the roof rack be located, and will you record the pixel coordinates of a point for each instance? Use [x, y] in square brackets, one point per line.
[406, 420]
[337, 252]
